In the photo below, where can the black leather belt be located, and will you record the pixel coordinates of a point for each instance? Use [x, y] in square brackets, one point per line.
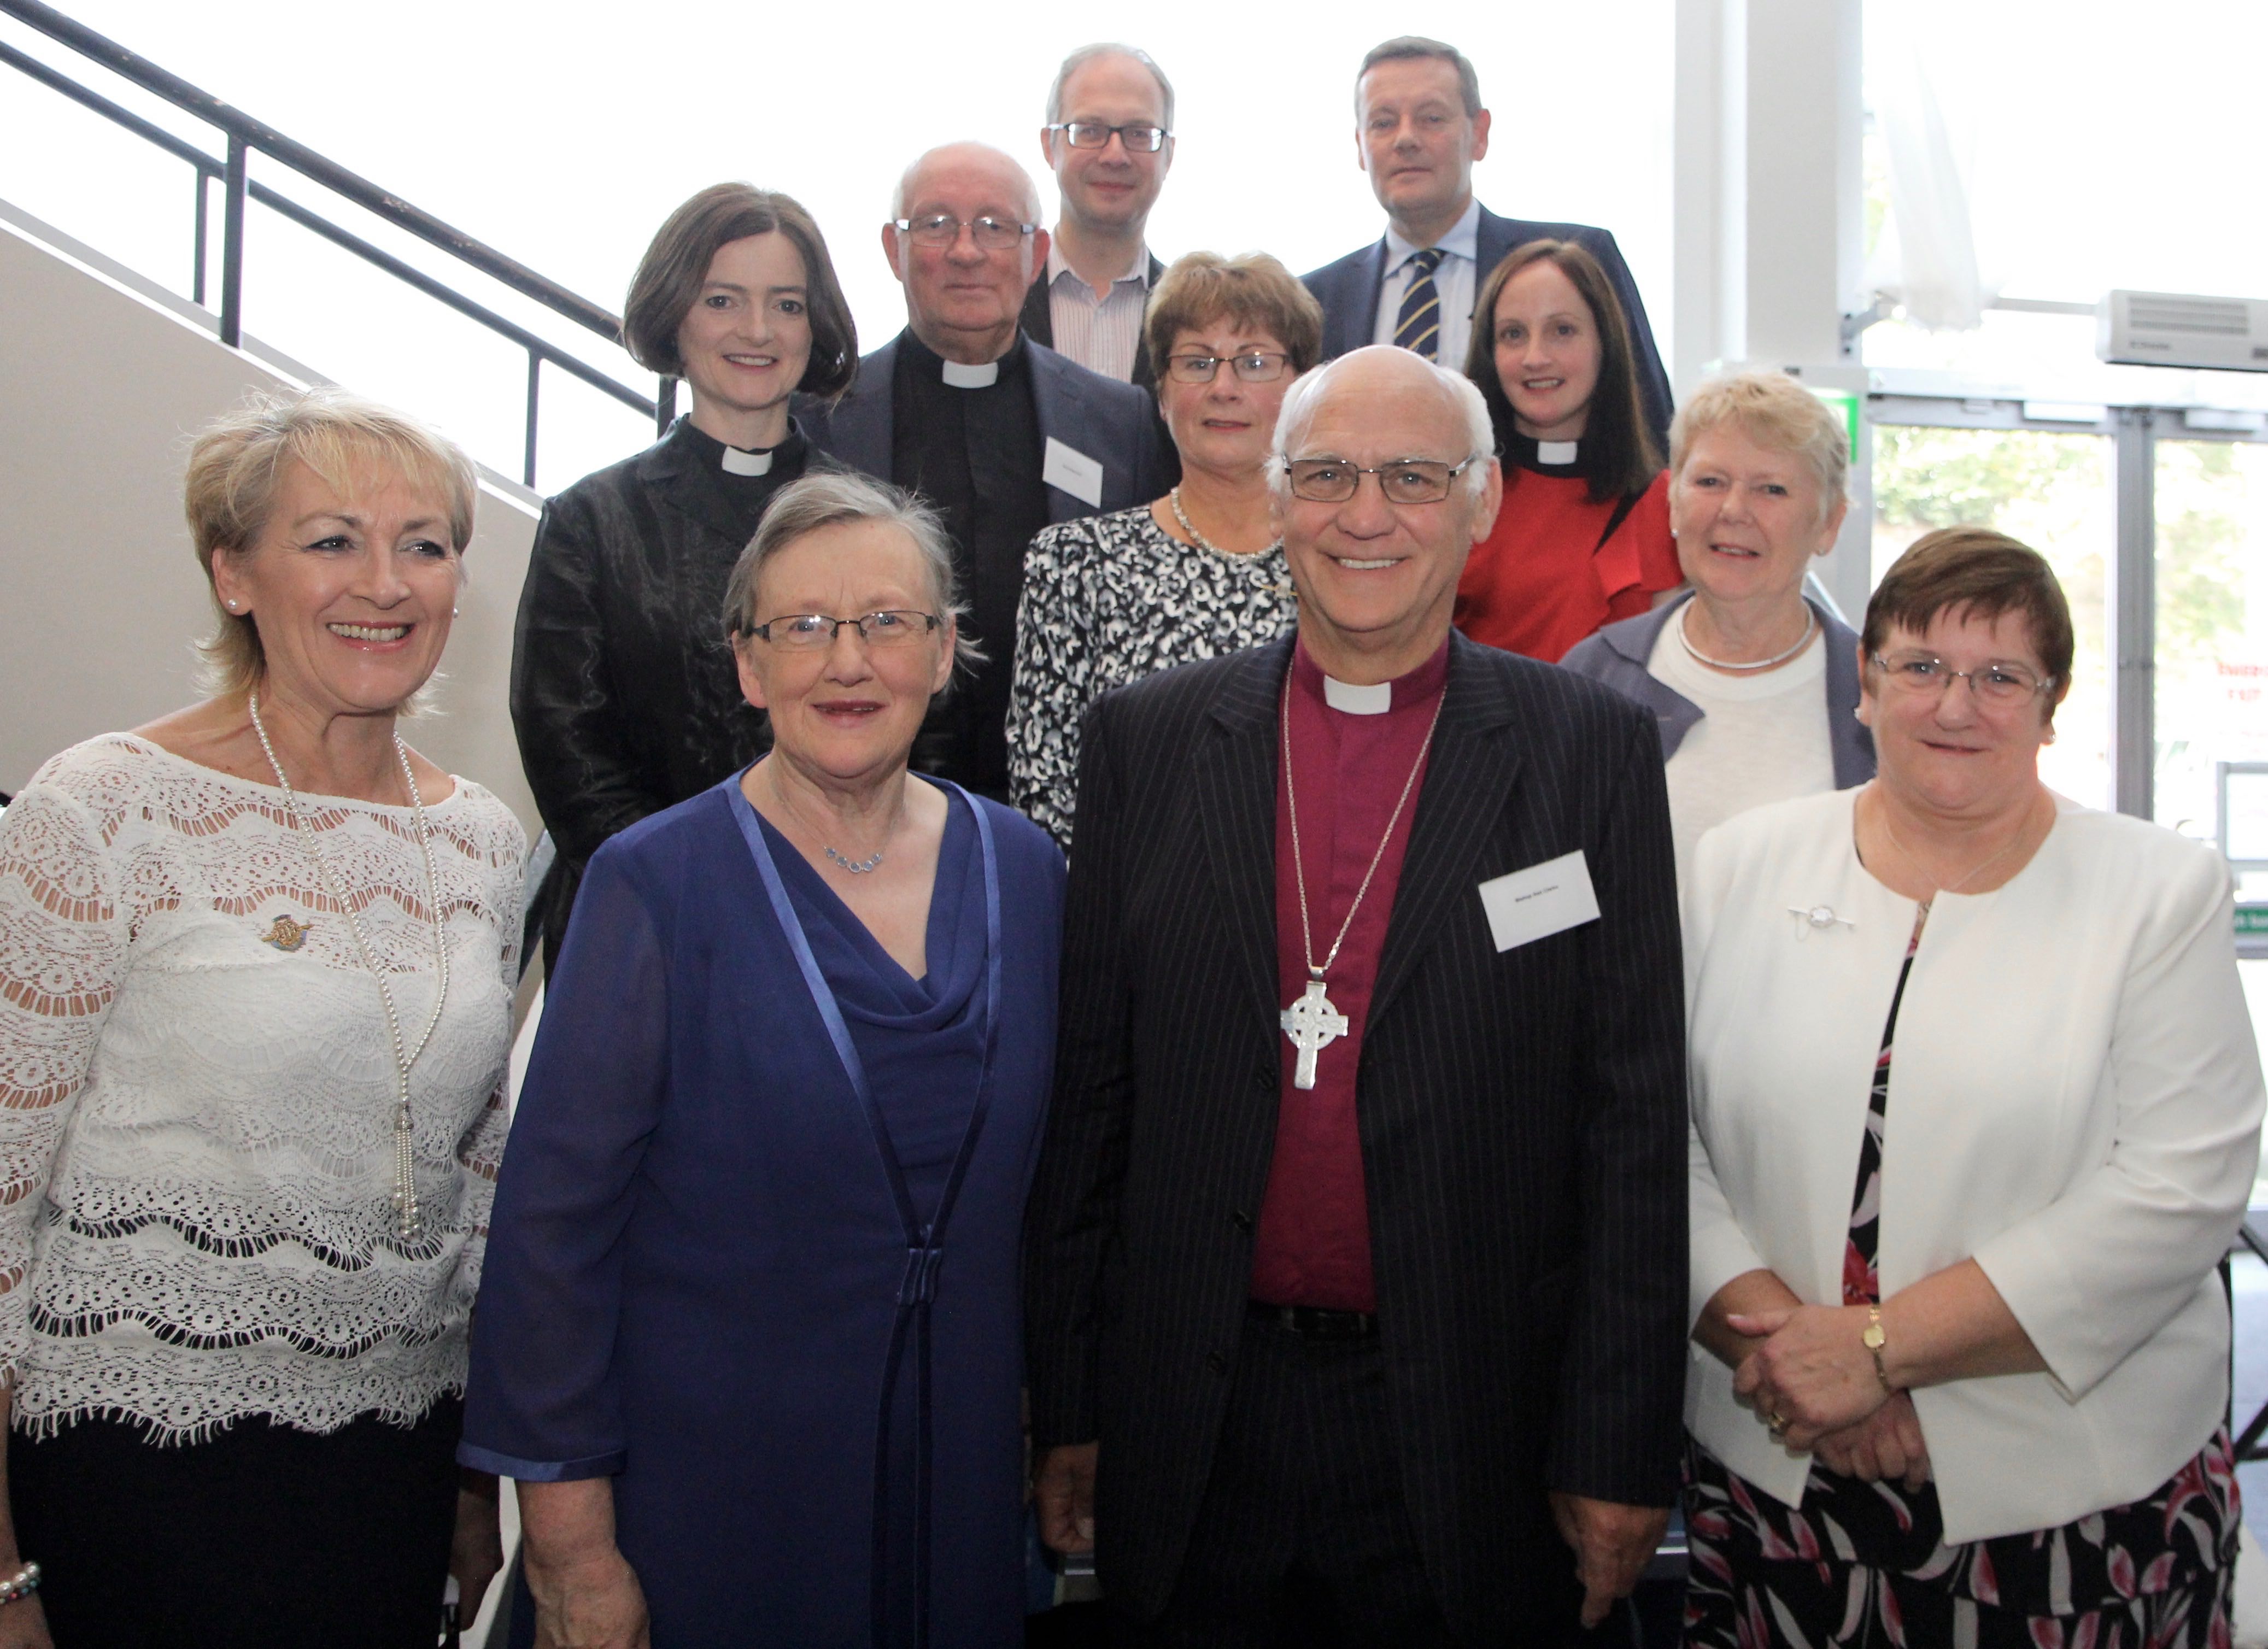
[1316, 1322]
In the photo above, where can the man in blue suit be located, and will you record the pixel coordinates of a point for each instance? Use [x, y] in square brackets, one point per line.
[1421, 126]
[1003, 436]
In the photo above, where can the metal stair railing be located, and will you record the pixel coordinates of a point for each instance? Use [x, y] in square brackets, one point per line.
[246, 136]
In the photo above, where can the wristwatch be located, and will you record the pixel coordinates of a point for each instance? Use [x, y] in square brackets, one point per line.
[1873, 1339]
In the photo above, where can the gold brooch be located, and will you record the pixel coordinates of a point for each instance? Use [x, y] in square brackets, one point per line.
[287, 935]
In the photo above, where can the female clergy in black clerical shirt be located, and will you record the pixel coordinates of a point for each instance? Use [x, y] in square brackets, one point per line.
[623, 686]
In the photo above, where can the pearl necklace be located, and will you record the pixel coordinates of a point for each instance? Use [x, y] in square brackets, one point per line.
[1810, 625]
[1199, 539]
[410, 1223]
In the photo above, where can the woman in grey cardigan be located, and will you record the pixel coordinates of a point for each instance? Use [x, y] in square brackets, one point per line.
[1757, 686]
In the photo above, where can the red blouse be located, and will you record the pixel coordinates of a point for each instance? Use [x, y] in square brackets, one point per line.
[1542, 581]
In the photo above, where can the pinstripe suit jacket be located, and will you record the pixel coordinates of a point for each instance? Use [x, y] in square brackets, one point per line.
[1522, 1118]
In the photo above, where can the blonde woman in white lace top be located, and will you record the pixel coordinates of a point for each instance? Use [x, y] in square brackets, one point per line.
[238, 1255]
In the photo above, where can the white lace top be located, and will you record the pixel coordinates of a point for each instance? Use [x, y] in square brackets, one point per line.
[196, 1097]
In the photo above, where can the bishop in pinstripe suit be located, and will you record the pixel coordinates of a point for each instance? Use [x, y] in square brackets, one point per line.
[1356, 1255]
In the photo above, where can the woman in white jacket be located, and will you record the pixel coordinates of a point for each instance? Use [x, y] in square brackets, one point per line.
[1978, 1399]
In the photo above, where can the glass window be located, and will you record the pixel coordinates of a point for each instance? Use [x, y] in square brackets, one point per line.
[2211, 678]
[2054, 492]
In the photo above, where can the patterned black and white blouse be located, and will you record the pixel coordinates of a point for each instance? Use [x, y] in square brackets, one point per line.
[1107, 601]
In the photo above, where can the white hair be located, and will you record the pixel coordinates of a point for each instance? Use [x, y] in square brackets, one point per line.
[1304, 399]
[1031, 195]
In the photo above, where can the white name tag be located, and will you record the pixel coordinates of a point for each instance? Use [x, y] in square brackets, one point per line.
[1539, 901]
[1072, 471]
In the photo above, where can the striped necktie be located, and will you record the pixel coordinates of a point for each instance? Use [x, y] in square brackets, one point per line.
[1418, 325]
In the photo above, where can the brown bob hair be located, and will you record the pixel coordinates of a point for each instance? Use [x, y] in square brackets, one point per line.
[1619, 449]
[1981, 573]
[670, 276]
[1252, 289]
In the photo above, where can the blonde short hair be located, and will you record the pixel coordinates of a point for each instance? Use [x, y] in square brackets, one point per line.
[238, 458]
[1774, 411]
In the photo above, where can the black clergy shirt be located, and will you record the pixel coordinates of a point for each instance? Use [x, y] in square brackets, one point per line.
[975, 454]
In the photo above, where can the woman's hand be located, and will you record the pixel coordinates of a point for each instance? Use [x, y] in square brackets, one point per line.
[476, 1549]
[593, 1604]
[1887, 1444]
[1812, 1375]
[23, 1624]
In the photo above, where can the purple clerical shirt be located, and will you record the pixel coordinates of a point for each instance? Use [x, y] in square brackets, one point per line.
[1352, 750]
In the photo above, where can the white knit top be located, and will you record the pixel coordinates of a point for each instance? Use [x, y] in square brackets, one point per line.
[196, 1113]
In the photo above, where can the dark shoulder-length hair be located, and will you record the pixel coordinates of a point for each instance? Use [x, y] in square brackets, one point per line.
[670, 276]
[1619, 449]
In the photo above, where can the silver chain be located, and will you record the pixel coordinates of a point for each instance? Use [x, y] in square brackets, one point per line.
[1810, 623]
[410, 1223]
[1316, 970]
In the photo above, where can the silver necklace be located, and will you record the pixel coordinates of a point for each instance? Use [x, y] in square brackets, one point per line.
[410, 1223]
[1981, 866]
[1810, 623]
[857, 867]
[1312, 1023]
[1199, 539]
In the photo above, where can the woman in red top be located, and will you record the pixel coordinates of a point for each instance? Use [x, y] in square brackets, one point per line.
[1583, 538]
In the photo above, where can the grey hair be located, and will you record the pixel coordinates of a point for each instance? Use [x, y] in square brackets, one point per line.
[1304, 398]
[1403, 46]
[1086, 55]
[1775, 412]
[1031, 206]
[833, 498]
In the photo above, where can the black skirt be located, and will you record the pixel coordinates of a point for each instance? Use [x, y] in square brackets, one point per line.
[264, 1535]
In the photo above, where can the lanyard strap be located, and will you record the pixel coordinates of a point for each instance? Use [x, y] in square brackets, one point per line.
[924, 1241]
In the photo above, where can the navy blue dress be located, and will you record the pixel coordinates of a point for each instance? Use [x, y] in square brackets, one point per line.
[697, 1258]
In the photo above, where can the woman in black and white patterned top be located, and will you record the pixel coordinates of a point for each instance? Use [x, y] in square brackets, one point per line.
[1197, 573]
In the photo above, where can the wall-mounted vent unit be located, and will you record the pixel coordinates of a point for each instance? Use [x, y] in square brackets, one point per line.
[2177, 329]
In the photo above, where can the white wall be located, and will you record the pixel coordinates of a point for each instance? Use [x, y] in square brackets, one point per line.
[102, 385]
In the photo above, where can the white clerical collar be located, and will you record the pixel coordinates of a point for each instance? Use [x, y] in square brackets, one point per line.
[962, 376]
[1555, 452]
[1357, 701]
[738, 462]
[1463, 239]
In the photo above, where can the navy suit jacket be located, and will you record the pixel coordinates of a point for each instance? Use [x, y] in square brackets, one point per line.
[1348, 291]
[1112, 423]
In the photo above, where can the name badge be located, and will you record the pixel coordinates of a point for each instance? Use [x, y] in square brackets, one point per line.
[1539, 901]
[1070, 470]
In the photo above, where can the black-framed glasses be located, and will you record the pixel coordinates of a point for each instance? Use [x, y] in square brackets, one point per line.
[1405, 481]
[942, 229]
[1253, 367]
[1140, 140]
[1925, 675]
[815, 632]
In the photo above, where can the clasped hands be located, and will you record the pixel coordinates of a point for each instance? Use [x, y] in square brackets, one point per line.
[1813, 1382]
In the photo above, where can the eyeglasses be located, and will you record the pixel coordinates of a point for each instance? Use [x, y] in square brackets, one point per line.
[942, 228]
[1922, 675]
[1257, 366]
[1140, 140]
[815, 632]
[1405, 481]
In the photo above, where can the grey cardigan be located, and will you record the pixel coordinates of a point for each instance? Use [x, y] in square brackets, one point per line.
[1616, 656]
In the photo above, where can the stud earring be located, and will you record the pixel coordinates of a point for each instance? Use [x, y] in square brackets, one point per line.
[233, 606]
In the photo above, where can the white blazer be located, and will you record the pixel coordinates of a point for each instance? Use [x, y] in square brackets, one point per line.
[2076, 1103]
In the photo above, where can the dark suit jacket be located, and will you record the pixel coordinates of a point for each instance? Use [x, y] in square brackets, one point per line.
[1115, 423]
[1039, 321]
[1348, 291]
[1522, 1118]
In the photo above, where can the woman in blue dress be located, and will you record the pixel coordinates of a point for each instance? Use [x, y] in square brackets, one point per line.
[748, 1337]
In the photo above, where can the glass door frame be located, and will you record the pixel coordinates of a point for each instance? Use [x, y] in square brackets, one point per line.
[2131, 615]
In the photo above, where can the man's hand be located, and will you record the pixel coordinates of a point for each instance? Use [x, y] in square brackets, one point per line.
[1887, 1443]
[1065, 1490]
[476, 1550]
[1612, 1543]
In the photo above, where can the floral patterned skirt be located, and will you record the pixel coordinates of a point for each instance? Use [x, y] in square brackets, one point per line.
[1862, 1565]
